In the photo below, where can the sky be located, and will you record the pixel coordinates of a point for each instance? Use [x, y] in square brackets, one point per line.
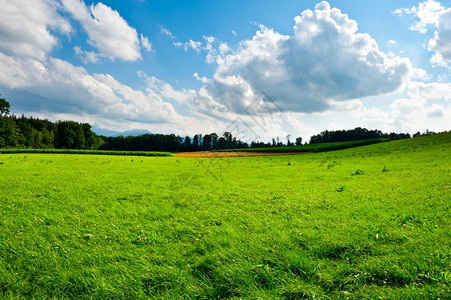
[258, 69]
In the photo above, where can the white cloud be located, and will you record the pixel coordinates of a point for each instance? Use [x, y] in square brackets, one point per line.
[58, 86]
[375, 118]
[224, 48]
[19, 72]
[56, 89]
[412, 115]
[441, 43]
[145, 43]
[166, 32]
[406, 113]
[433, 14]
[191, 44]
[167, 91]
[107, 30]
[434, 90]
[427, 12]
[392, 43]
[136, 105]
[212, 52]
[292, 125]
[323, 65]
[201, 79]
[418, 73]
[25, 27]
[86, 56]
[196, 46]
[426, 106]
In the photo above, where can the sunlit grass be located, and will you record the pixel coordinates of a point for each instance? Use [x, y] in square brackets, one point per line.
[366, 222]
[89, 152]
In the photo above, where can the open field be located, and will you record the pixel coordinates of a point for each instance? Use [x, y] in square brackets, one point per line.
[89, 152]
[366, 222]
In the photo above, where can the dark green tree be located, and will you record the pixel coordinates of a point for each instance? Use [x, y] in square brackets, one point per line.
[197, 141]
[70, 135]
[187, 144]
[9, 133]
[214, 140]
[207, 142]
[4, 107]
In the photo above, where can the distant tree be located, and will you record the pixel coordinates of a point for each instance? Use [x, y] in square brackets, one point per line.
[207, 142]
[223, 143]
[48, 138]
[214, 140]
[428, 132]
[79, 139]
[9, 133]
[353, 135]
[228, 137]
[187, 144]
[298, 141]
[197, 141]
[70, 135]
[4, 107]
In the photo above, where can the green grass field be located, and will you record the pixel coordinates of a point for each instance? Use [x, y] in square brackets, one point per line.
[89, 152]
[367, 222]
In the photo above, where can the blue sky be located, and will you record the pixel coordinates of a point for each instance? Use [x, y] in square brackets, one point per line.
[259, 69]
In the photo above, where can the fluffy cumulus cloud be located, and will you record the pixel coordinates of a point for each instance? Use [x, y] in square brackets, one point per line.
[107, 30]
[433, 90]
[425, 106]
[432, 14]
[441, 43]
[326, 64]
[28, 34]
[86, 56]
[412, 115]
[25, 27]
[58, 86]
[427, 14]
[266, 85]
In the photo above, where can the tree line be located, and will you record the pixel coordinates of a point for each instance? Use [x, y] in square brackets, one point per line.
[212, 141]
[355, 134]
[28, 132]
[173, 143]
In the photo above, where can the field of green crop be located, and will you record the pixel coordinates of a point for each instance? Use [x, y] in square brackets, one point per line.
[89, 152]
[367, 222]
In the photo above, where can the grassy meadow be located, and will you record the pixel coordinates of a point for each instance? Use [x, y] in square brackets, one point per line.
[367, 222]
[84, 151]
